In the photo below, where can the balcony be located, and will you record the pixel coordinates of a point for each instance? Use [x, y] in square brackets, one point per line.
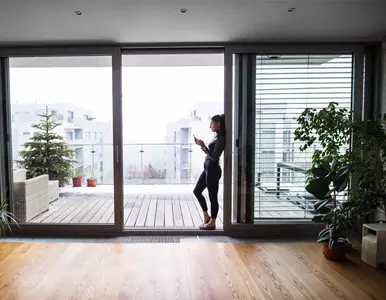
[145, 206]
[155, 194]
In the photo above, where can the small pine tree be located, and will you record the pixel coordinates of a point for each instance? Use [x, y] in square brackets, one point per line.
[47, 152]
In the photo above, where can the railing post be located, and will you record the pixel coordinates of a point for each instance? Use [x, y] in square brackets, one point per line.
[141, 163]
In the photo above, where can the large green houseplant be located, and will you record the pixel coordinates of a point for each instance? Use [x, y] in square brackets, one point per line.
[329, 175]
[327, 183]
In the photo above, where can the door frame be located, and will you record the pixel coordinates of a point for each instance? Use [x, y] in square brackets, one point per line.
[286, 228]
[75, 229]
[226, 175]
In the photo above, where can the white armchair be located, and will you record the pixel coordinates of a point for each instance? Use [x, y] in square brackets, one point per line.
[31, 196]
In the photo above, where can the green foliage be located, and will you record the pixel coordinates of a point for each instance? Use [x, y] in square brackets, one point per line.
[6, 218]
[332, 127]
[327, 183]
[370, 166]
[47, 153]
[77, 174]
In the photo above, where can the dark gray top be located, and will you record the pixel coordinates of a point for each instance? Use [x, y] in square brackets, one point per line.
[214, 150]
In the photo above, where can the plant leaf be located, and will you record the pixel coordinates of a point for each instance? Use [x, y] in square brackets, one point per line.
[323, 239]
[341, 184]
[319, 188]
[320, 172]
[323, 232]
[321, 208]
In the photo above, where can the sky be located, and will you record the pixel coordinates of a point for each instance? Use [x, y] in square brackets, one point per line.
[152, 96]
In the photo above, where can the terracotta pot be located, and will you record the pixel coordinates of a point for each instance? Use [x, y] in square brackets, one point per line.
[91, 182]
[337, 253]
[77, 182]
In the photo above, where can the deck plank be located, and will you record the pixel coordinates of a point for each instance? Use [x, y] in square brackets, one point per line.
[63, 206]
[132, 218]
[187, 218]
[177, 214]
[160, 214]
[169, 218]
[85, 218]
[150, 218]
[196, 217]
[99, 214]
[107, 214]
[68, 215]
[143, 213]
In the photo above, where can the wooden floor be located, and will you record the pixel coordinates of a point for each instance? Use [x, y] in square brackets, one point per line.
[182, 271]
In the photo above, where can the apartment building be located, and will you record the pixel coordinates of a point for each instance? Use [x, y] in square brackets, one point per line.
[184, 159]
[90, 138]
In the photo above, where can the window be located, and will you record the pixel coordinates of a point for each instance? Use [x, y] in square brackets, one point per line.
[70, 116]
[285, 86]
[69, 135]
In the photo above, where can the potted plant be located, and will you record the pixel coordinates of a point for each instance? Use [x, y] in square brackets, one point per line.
[91, 181]
[327, 183]
[77, 179]
[6, 218]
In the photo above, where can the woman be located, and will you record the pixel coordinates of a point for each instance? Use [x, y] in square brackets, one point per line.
[211, 175]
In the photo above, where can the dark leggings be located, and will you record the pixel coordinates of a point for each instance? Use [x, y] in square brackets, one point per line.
[209, 179]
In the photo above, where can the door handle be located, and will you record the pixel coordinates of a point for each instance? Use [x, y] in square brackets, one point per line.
[117, 153]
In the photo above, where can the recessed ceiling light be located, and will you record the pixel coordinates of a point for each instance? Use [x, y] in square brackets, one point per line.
[183, 10]
[292, 9]
[78, 13]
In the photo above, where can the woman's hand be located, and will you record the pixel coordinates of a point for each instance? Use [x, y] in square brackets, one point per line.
[201, 143]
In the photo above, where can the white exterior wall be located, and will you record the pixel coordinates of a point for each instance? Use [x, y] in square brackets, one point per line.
[179, 160]
[81, 134]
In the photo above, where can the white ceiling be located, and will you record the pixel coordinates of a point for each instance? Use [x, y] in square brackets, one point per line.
[37, 22]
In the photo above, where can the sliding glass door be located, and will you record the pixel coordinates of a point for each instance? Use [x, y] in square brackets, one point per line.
[285, 86]
[64, 139]
[270, 89]
[168, 96]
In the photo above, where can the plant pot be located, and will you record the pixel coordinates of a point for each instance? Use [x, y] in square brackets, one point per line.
[77, 182]
[337, 253]
[91, 182]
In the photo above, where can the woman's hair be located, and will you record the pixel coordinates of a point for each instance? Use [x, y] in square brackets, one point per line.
[221, 119]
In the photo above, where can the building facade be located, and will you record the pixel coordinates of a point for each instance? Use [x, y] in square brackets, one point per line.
[90, 139]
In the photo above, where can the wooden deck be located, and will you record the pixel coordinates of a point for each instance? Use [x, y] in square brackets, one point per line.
[151, 209]
[174, 211]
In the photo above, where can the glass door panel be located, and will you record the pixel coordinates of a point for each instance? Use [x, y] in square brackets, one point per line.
[284, 86]
[62, 147]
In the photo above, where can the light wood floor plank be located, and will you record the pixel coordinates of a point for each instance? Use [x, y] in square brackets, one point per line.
[272, 271]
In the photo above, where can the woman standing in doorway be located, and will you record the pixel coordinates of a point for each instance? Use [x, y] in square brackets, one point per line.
[211, 175]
